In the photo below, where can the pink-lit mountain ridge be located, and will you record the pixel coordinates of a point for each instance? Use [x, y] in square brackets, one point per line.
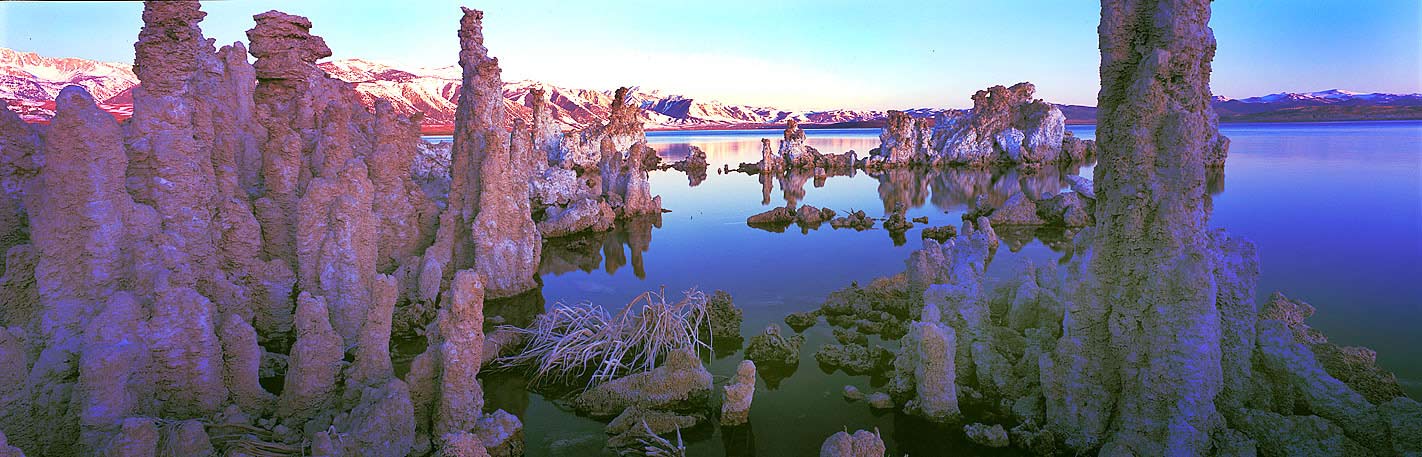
[29, 82]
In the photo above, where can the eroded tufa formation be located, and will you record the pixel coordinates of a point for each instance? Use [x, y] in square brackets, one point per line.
[250, 213]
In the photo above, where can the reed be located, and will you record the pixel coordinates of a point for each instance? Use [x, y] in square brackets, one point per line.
[586, 343]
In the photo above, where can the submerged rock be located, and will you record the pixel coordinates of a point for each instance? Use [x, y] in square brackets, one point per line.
[636, 423]
[680, 381]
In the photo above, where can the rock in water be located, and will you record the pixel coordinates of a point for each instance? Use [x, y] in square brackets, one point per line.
[861, 444]
[679, 381]
[735, 409]
[903, 140]
[770, 162]
[1005, 125]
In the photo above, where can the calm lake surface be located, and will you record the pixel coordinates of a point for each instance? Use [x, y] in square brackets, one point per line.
[1334, 208]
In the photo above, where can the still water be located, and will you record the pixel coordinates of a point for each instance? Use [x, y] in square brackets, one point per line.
[1334, 208]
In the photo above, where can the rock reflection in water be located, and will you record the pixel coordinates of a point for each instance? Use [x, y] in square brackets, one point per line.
[792, 183]
[624, 244]
[739, 440]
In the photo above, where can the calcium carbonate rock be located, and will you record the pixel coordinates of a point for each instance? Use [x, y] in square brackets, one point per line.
[501, 433]
[242, 361]
[861, 444]
[581, 216]
[770, 161]
[461, 343]
[1005, 125]
[406, 216]
[1067, 209]
[1082, 186]
[19, 154]
[310, 387]
[774, 349]
[903, 140]
[990, 436]
[1151, 290]
[1077, 150]
[487, 225]
[679, 381]
[1018, 210]
[735, 409]
[628, 429]
[151, 269]
[926, 367]
[793, 148]
[1325, 395]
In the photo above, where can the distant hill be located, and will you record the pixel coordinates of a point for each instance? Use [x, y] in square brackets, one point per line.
[29, 83]
[1328, 105]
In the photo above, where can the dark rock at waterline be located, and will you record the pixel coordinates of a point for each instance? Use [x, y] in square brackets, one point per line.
[940, 234]
[627, 429]
[856, 220]
[681, 382]
[897, 223]
[724, 320]
[771, 348]
[802, 320]
[855, 359]
[883, 308]
[850, 336]
[779, 216]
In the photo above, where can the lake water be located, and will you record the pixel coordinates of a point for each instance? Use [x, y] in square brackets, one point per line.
[1334, 208]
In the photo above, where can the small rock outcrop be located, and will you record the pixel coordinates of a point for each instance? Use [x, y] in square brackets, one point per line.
[679, 381]
[736, 404]
[771, 348]
[1005, 125]
[862, 443]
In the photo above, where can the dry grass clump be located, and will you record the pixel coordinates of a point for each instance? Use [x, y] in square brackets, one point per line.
[570, 343]
[652, 445]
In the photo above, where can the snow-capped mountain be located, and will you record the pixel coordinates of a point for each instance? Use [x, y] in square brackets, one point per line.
[29, 83]
[1334, 104]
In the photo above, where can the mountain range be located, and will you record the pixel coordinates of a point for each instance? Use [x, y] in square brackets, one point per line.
[29, 83]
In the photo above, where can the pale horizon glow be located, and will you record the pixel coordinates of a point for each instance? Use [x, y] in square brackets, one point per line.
[799, 55]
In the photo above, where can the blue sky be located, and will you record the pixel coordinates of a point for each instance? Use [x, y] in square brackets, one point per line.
[798, 54]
